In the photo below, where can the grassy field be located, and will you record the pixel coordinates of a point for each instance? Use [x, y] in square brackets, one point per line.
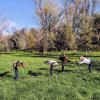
[73, 84]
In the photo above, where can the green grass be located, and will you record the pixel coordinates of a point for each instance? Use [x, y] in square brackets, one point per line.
[73, 84]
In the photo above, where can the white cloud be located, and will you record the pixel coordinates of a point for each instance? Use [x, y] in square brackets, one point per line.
[11, 23]
[7, 26]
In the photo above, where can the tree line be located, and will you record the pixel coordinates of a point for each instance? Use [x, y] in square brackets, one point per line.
[71, 25]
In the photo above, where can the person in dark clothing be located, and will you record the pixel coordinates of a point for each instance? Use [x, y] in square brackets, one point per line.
[64, 59]
[15, 66]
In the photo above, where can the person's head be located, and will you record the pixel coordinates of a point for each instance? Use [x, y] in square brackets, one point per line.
[82, 58]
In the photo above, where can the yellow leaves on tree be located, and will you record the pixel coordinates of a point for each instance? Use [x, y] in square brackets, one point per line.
[31, 40]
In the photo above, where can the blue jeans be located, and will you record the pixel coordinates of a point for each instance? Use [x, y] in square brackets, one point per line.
[16, 74]
[90, 66]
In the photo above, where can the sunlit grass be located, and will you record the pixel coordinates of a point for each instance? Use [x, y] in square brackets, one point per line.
[73, 84]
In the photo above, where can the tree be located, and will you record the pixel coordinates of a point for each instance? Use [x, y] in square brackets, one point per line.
[4, 45]
[86, 22]
[96, 30]
[47, 13]
[67, 17]
[30, 40]
[23, 39]
[14, 41]
[78, 20]
[60, 40]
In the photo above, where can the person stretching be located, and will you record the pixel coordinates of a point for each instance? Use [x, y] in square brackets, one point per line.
[15, 66]
[64, 59]
[88, 61]
[52, 63]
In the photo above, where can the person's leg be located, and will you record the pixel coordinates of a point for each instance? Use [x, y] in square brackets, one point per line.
[51, 69]
[90, 66]
[62, 66]
[16, 74]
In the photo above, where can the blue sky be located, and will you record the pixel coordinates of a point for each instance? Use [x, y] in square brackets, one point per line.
[19, 12]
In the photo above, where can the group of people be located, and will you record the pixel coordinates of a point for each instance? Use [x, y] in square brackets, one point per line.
[64, 59]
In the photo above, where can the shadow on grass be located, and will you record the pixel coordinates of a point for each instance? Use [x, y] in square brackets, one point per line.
[30, 72]
[43, 69]
[4, 74]
[60, 71]
[56, 70]
[37, 56]
[51, 55]
[6, 53]
[97, 68]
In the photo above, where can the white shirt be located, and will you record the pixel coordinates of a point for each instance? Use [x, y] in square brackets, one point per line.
[86, 61]
[51, 62]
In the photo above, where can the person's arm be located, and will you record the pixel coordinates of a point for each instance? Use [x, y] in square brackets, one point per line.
[14, 65]
[81, 62]
[23, 65]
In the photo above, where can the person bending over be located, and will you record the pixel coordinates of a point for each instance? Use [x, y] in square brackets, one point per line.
[64, 59]
[52, 63]
[88, 61]
[15, 66]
